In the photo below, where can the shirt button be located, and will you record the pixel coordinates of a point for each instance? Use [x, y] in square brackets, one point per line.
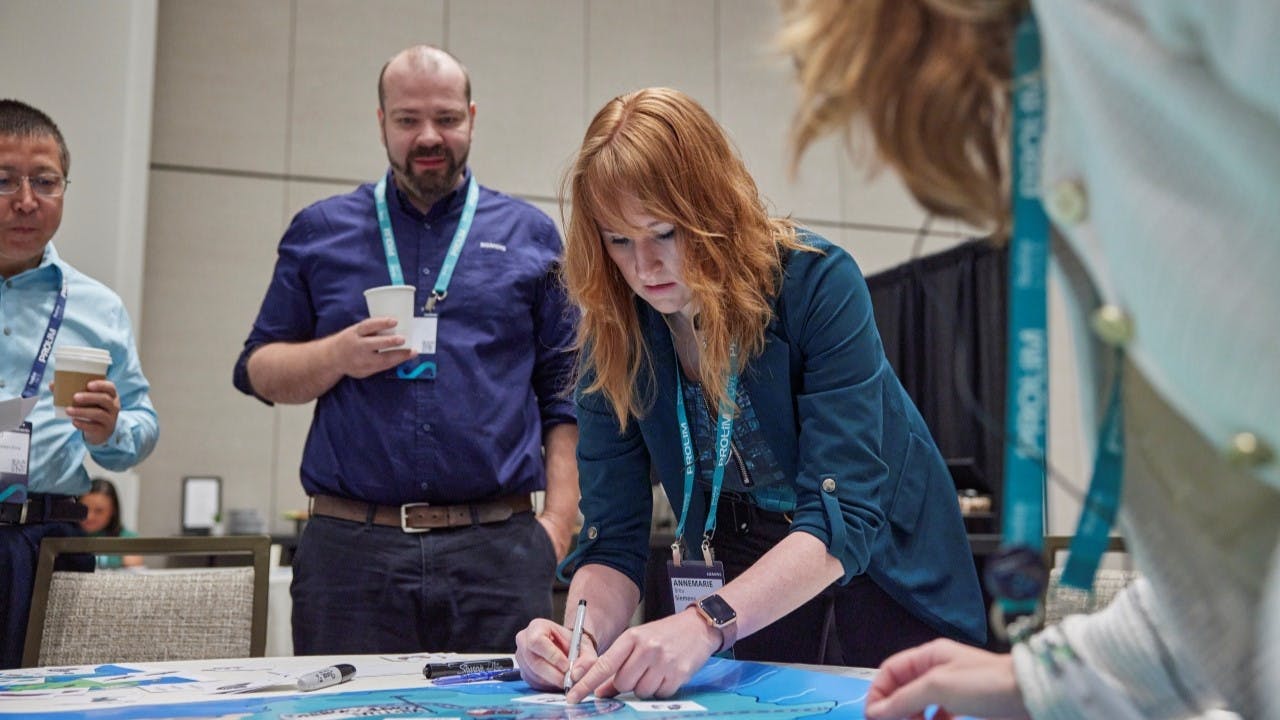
[1247, 450]
[426, 427]
[592, 533]
[426, 271]
[1068, 204]
[828, 485]
[1112, 325]
[423, 486]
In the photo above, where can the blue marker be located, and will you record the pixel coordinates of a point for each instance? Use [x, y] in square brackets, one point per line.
[502, 675]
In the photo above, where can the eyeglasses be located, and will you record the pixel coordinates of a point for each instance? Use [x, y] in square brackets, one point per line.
[48, 185]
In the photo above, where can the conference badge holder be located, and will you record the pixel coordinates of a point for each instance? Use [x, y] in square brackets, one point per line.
[15, 455]
[690, 582]
[422, 339]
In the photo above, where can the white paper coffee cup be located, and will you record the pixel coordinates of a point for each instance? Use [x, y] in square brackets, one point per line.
[394, 301]
[74, 368]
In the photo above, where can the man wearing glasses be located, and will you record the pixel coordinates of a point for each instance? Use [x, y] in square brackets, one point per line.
[46, 304]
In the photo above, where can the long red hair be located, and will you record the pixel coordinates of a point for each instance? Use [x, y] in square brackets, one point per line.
[661, 148]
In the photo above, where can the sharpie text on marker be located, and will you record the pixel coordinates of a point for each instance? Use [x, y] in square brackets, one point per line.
[323, 678]
[433, 671]
[503, 675]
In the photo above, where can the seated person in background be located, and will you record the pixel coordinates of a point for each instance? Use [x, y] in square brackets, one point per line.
[704, 318]
[103, 520]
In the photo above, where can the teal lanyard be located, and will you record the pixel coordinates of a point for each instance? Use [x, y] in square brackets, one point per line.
[1103, 501]
[441, 289]
[1028, 362]
[724, 448]
[1028, 390]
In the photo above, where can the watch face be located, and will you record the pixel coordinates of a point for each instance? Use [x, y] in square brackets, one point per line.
[718, 610]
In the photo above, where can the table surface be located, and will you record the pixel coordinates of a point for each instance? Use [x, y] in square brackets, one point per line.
[163, 688]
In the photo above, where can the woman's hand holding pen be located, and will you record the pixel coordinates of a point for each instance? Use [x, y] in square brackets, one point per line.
[651, 660]
[542, 652]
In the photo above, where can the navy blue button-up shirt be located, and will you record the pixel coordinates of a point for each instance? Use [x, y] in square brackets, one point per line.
[475, 431]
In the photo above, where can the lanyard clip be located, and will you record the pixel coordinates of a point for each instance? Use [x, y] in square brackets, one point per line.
[708, 555]
[676, 555]
[436, 296]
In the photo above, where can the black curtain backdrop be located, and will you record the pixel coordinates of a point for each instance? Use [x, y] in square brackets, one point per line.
[942, 319]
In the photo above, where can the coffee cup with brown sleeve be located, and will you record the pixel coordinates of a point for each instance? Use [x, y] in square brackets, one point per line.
[74, 368]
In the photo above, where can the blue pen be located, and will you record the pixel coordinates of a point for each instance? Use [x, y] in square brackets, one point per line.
[502, 675]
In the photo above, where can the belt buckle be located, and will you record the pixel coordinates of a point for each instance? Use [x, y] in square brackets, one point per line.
[404, 518]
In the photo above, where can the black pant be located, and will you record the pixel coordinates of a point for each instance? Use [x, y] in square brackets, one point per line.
[363, 588]
[857, 624]
[19, 552]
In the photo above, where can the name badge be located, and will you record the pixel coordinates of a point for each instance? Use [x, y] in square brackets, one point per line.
[15, 454]
[692, 581]
[422, 335]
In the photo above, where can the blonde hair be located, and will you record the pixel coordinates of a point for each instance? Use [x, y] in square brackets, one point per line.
[661, 148]
[928, 78]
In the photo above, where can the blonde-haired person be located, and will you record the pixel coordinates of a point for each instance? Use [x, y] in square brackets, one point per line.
[1160, 163]
[837, 521]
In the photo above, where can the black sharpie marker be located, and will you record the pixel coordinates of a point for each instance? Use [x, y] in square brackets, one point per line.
[433, 671]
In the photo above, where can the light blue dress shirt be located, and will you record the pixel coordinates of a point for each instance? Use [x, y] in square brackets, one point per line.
[95, 317]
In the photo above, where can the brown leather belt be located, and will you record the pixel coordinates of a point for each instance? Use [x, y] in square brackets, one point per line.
[421, 517]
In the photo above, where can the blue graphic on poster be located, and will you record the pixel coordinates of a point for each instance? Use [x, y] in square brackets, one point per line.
[723, 688]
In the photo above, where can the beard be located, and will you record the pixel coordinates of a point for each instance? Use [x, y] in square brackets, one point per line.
[429, 185]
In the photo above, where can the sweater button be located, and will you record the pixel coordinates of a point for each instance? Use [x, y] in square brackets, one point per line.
[1112, 325]
[1247, 450]
[1067, 204]
[828, 485]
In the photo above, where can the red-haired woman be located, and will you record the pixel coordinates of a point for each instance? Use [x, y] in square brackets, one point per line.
[735, 357]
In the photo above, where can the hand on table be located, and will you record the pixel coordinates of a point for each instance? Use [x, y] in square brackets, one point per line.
[651, 660]
[959, 679]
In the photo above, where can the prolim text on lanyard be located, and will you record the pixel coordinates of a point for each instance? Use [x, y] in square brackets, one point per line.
[423, 334]
[1016, 575]
[15, 444]
[690, 582]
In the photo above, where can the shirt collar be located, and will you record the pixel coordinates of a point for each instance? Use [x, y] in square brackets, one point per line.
[50, 259]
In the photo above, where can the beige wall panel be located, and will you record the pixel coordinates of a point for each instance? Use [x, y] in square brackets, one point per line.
[301, 194]
[638, 43]
[340, 45]
[872, 195]
[222, 74]
[528, 72]
[757, 98]
[210, 251]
